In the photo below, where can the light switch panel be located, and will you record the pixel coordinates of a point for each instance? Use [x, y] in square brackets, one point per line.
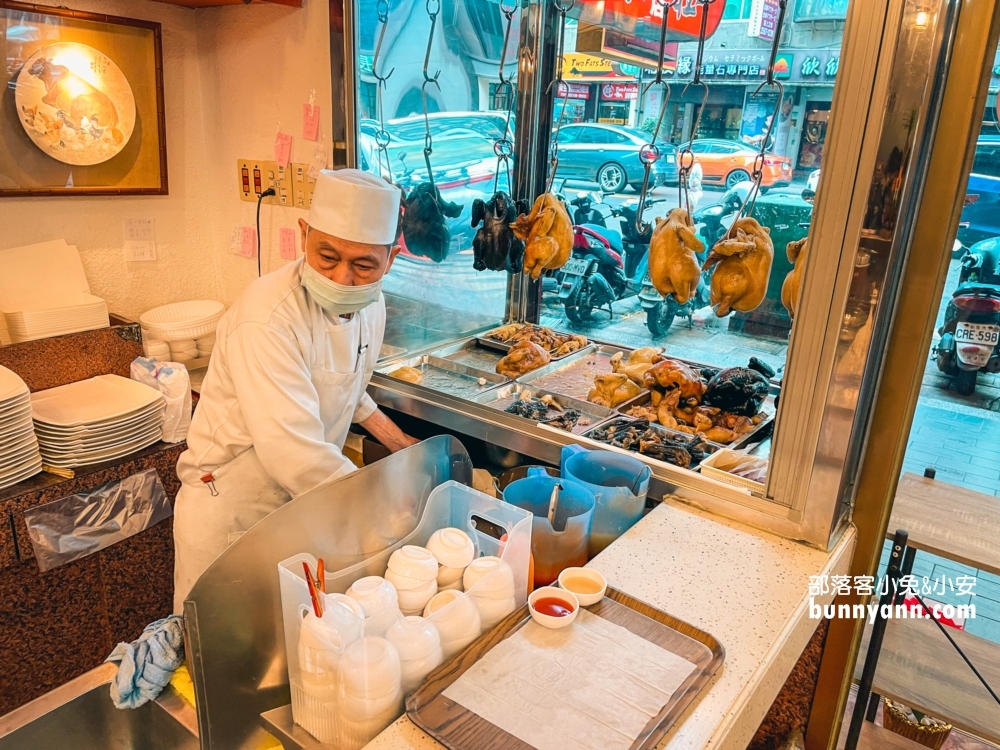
[302, 185]
[256, 176]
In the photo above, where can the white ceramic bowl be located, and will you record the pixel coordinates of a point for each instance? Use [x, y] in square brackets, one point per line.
[453, 586]
[551, 592]
[491, 578]
[492, 611]
[571, 578]
[414, 672]
[357, 708]
[414, 562]
[414, 638]
[378, 600]
[457, 645]
[402, 583]
[449, 576]
[370, 668]
[451, 547]
[455, 615]
[413, 601]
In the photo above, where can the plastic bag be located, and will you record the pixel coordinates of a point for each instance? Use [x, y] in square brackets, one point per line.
[173, 381]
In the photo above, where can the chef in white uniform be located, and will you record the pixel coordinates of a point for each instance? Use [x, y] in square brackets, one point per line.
[292, 360]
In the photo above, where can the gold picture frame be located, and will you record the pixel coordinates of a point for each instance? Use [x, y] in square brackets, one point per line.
[81, 104]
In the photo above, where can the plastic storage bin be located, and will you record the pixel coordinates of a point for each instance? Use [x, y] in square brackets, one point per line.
[324, 712]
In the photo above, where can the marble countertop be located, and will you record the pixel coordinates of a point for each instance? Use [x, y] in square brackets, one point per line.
[746, 587]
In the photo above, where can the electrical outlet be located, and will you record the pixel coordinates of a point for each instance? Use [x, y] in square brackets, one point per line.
[254, 177]
[302, 185]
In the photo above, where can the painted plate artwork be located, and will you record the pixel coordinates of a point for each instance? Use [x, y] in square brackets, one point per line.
[75, 103]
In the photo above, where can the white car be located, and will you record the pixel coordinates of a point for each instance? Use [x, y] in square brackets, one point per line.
[813, 181]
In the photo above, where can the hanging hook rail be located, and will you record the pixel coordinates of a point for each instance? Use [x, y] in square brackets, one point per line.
[382, 137]
[562, 90]
[685, 159]
[757, 175]
[428, 140]
[649, 154]
[503, 147]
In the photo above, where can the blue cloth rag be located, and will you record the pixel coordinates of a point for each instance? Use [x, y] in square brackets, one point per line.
[145, 665]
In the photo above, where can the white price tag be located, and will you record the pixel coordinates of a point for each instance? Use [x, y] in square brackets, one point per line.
[236, 241]
[318, 162]
[138, 239]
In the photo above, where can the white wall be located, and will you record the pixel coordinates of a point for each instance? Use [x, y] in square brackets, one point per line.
[230, 74]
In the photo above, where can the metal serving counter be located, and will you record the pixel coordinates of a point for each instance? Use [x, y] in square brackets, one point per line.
[476, 418]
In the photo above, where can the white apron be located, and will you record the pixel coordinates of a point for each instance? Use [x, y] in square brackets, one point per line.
[235, 496]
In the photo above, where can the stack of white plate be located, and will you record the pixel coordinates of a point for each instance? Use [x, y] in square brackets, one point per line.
[96, 420]
[84, 313]
[19, 457]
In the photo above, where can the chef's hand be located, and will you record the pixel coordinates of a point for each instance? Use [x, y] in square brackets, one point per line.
[387, 432]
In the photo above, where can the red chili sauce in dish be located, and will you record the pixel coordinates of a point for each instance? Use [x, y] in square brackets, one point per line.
[549, 605]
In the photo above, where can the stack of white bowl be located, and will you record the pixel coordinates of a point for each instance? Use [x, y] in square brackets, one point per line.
[489, 581]
[187, 328]
[413, 571]
[419, 647]
[453, 549]
[377, 598]
[457, 619]
[373, 694]
[19, 456]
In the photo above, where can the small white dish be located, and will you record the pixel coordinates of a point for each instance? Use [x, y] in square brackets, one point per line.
[413, 601]
[587, 584]
[414, 562]
[379, 602]
[489, 578]
[402, 583]
[567, 598]
[451, 547]
[370, 668]
[448, 577]
[492, 611]
[456, 617]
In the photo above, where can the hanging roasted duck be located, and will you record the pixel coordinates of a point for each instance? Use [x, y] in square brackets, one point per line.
[673, 256]
[796, 252]
[495, 246]
[742, 260]
[547, 233]
[425, 230]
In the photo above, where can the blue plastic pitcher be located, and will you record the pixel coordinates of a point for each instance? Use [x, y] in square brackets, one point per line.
[563, 544]
[619, 484]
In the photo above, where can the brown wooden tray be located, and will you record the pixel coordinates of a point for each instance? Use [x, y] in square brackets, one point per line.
[457, 728]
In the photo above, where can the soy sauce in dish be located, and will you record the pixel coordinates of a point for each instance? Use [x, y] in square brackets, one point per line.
[549, 605]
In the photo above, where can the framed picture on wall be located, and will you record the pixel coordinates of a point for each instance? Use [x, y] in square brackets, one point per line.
[81, 104]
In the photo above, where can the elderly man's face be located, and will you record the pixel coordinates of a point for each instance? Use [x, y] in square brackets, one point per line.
[343, 261]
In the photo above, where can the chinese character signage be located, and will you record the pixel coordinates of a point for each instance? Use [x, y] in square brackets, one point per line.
[619, 92]
[683, 17]
[573, 91]
[801, 66]
[763, 19]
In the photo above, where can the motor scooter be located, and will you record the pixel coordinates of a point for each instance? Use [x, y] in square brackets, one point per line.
[585, 211]
[970, 336]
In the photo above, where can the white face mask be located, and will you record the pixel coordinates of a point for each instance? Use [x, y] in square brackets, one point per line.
[335, 298]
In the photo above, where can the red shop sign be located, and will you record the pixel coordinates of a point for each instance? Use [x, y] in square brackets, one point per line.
[573, 91]
[619, 92]
[683, 19]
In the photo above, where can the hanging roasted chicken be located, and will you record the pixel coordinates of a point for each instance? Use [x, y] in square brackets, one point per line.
[495, 247]
[742, 260]
[796, 252]
[425, 230]
[673, 263]
[547, 233]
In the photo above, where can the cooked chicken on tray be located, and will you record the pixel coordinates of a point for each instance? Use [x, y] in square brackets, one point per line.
[523, 357]
[495, 247]
[796, 252]
[673, 263]
[742, 260]
[670, 375]
[547, 233]
[409, 374]
[612, 389]
[558, 344]
[638, 362]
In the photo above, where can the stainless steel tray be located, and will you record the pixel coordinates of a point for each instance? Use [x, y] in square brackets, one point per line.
[448, 377]
[756, 435]
[504, 346]
[502, 397]
[471, 353]
[710, 447]
[573, 375]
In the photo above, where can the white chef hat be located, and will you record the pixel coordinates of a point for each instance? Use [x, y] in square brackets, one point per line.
[354, 205]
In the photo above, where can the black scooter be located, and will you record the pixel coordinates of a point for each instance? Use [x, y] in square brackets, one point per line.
[970, 336]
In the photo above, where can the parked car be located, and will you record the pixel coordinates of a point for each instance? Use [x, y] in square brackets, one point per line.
[488, 124]
[609, 156]
[729, 162]
[980, 218]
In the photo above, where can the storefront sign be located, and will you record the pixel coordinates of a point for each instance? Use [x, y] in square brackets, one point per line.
[800, 66]
[365, 63]
[573, 91]
[763, 19]
[619, 92]
[683, 19]
[627, 51]
[582, 67]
